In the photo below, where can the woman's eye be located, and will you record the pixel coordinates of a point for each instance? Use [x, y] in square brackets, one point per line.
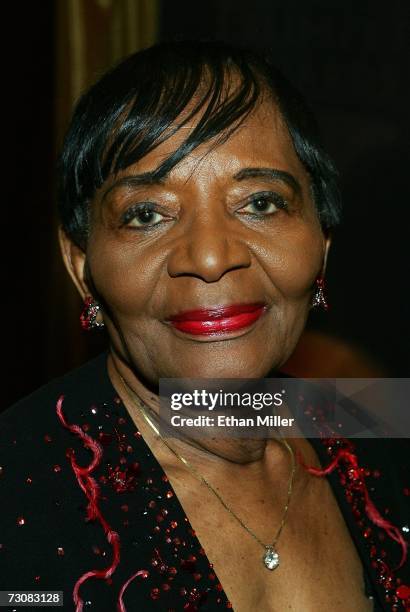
[142, 215]
[265, 204]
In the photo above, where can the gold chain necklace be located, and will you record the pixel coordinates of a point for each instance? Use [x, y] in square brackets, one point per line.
[271, 556]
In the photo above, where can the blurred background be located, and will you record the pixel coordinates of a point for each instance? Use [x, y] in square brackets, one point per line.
[349, 58]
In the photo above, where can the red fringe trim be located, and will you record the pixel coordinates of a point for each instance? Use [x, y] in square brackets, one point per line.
[92, 491]
[372, 512]
[120, 604]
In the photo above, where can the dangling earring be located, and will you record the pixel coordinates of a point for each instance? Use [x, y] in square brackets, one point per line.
[319, 298]
[88, 317]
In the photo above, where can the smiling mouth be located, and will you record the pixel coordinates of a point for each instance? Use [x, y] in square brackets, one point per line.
[218, 320]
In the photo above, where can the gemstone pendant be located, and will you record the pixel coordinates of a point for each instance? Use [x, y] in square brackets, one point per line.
[271, 558]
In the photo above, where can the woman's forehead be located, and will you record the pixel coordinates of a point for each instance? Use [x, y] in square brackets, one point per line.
[261, 140]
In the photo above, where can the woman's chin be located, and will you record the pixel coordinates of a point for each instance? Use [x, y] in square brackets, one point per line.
[223, 370]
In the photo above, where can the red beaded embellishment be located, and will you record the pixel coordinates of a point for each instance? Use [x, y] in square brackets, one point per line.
[352, 478]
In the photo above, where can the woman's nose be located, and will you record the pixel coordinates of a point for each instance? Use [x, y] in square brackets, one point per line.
[208, 249]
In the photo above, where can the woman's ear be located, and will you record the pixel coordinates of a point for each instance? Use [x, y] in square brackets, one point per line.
[328, 242]
[74, 261]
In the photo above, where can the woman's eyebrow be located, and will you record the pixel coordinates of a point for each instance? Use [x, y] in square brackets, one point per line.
[151, 178]
[269, 173]
[135, 180]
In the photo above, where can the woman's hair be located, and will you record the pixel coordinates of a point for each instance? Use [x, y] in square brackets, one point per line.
[139, 104]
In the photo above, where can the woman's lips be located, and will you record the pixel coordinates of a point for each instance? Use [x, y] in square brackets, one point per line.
[217, 320]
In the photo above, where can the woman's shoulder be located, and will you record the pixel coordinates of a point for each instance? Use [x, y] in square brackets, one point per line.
[42, 497]
[80, 385]
[31, 432]
[34, 442]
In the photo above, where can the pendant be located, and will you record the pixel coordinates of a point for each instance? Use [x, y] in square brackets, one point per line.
[271, 558]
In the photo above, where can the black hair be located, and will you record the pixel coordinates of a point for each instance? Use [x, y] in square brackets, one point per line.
[138, 104]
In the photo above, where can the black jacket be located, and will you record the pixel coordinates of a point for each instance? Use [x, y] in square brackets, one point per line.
[47, 542]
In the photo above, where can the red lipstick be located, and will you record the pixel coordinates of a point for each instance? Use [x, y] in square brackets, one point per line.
[209, 321]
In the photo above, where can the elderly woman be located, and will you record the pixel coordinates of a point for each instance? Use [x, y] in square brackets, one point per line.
[195, 213]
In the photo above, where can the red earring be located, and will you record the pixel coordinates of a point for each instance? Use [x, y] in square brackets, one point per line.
[88, 316]
[319, 298]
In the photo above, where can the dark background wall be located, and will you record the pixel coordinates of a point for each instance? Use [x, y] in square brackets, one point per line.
[351, 61]
[27, 92]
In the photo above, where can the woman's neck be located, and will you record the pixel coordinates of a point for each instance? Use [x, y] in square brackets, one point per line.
[241, 451]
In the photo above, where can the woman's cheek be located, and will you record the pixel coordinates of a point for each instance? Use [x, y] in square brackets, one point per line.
[296, 266]
[123, 278]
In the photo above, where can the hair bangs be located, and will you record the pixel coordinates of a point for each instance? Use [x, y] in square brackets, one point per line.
[215, 97]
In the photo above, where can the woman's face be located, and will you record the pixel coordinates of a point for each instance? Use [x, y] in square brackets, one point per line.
[235, 225]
